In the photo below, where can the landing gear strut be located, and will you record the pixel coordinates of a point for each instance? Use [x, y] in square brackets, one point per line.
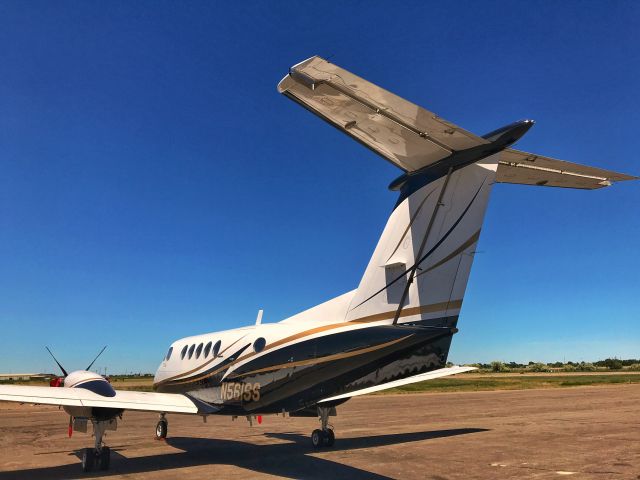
[324, 436]
[100, 455]
[162, 427]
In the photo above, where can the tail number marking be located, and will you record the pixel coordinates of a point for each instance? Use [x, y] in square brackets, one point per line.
[240, 391]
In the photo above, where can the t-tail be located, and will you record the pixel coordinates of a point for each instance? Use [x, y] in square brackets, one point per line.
[419, 270]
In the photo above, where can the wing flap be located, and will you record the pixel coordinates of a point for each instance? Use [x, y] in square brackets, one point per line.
[442, 372]
[531, 169]
[405, 134]
[79, 397]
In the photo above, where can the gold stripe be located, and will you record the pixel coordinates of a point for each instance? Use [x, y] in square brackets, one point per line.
[434, 307]
[203, 365]
[472, 239]
[328, 358]
[84, 380]
[407, 312]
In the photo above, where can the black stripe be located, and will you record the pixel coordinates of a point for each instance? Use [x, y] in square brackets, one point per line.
[415, 265]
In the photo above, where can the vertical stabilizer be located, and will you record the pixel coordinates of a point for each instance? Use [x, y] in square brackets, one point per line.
[420, 267]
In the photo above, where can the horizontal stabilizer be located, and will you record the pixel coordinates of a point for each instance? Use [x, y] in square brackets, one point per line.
[81, 397]
[405, 134]
[442, 372]
[531, 169]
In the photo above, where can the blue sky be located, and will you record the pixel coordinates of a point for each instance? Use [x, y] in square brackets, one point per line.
[154, 185]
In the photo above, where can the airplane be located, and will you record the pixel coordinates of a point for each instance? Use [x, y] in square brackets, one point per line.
[394, 329]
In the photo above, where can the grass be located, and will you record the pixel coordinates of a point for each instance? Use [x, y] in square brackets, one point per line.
[471, 382]
[520, 382]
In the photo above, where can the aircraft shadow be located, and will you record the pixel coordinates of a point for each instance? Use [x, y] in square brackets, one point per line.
[289, 460]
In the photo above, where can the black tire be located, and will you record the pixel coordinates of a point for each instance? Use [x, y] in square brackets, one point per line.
[88, 458]
[105, 458]
[329, 438]
[161, 429]
[317, 438]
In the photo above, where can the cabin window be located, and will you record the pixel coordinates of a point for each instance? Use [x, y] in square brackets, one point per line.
[207, 349]
[198, 351]
[216, 348]
[169, 354]
[259, 345]
[184, 352]
[191, 348]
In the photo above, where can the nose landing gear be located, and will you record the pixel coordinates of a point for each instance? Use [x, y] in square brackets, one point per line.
[323, 437]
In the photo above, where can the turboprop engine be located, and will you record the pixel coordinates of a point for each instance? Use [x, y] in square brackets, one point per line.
[89, 381]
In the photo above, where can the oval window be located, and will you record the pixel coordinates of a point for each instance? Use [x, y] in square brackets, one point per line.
[216, 348]
[207, 349]
[184, 352]
[169, 354]
[199, 350]
[259, 344]
[191, 348]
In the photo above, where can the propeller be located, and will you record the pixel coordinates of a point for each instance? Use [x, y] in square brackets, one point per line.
[91, 364]
[64, 372]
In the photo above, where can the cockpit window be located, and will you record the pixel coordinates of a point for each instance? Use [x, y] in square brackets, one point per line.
[198, 351]
[191, 348]
[259, 344]
[183, 352]
[169, 354]
[216, 348]
[207, 349]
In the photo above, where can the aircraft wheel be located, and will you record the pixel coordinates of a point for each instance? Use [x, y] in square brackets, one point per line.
[317, 438]
[88, 458]
[104, 458]
[161, 429]
[329, 438]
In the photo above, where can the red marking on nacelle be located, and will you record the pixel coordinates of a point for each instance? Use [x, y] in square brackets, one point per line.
[259, 419]
[70, 427]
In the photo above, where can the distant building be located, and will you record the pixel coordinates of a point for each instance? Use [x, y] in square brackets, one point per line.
[24, 376]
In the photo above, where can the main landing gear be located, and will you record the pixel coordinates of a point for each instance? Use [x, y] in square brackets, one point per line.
[161, 428]
[323, 437]
[100, 455]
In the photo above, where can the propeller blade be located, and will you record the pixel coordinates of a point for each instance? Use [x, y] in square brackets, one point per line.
[91, 364]
[64, 372]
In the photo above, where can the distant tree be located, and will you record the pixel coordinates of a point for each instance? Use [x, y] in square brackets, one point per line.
[556, 365]
[569, 367]
[634, 367]
[586, 367]
[612, 364]
[538, 367]
[497, 366]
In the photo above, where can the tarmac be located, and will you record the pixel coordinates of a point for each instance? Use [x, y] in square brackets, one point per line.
[582, 432]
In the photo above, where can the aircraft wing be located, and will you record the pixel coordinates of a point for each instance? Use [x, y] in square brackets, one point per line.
[421, 377]
[532, 169]
[80, 397]
[405, 134]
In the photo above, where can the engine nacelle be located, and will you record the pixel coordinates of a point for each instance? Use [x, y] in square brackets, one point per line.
[97, 384]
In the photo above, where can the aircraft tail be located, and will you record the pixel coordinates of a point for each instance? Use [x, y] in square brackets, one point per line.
[419, 270]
